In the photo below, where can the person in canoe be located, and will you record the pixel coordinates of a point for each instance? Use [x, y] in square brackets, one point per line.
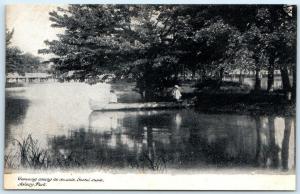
[113, 97]
[176, 94]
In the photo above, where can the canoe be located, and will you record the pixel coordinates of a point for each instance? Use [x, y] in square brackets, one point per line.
[100, 106]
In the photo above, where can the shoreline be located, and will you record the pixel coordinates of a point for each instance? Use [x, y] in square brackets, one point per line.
[257, 109]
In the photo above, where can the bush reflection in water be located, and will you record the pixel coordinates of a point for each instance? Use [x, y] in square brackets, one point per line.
[184, 139]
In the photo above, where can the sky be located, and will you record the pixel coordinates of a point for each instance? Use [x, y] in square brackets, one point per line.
[31, 26]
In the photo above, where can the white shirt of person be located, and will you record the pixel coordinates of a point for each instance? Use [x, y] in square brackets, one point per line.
[176, 94]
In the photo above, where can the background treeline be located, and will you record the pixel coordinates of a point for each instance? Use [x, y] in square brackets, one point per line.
[156, 44]
[19, 62]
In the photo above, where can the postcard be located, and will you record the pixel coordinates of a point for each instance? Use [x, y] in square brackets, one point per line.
[150, 97]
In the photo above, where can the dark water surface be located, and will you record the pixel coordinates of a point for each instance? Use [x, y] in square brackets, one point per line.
[175, 139]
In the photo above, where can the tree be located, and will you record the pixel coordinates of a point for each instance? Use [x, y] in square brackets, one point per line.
[124, 39]
[89, 41]
[278, 40]
[154, 44]
[32, 63]
[19, 62]
[269, 33]
[13, 55]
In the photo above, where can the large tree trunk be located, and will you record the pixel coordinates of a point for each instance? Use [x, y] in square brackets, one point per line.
[203, 75]
[286, 85]
[183, 72]
[294, 87]
[285, 79]
[270, 73]
[148, 95]
[257, 85]
[220, 77]
[221, 74]
[141, 92]
[241, 78]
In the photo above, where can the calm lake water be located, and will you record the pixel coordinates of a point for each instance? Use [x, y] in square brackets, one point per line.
[164, 139]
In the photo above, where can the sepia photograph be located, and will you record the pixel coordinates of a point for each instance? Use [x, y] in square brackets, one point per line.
[150, 97]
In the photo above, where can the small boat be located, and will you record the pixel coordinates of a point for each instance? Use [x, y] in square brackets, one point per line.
[101, 106]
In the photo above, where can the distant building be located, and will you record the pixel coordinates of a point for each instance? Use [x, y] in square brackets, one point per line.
[28, 77]
[250, 73]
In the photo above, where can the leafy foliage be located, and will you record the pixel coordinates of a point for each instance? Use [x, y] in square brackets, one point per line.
[19, 62]
[155, 44]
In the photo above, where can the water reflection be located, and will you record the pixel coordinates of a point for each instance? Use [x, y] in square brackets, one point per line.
[285, 143]
[267, 150]
[15, 111]
[178, 139]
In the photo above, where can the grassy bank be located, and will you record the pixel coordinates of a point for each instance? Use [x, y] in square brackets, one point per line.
[75, 152]
[245, 103]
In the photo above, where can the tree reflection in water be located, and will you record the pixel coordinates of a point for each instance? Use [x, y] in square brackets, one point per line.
[15, 111]
[285, 143]
[273, 148]
[270, 154]
[174, 139]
